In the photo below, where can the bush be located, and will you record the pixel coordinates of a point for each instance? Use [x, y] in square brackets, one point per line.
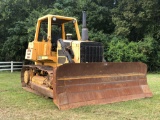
[121, 50]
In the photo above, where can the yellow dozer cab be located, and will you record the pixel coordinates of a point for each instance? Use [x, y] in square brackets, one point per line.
[71, 69]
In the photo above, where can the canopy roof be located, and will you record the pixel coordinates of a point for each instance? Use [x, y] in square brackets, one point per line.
[56, 19]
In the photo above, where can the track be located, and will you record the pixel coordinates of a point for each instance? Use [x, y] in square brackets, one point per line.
[30, 71]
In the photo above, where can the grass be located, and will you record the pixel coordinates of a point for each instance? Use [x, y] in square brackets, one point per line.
[17, 104]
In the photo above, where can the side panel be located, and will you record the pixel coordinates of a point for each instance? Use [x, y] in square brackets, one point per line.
[76, 51]
[34, 50]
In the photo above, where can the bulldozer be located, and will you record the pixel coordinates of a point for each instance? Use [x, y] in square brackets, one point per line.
[72, 71]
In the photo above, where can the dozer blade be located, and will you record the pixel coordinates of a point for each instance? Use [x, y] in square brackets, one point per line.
[83, 84]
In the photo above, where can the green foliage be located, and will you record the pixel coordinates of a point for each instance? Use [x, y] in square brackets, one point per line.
[121, 50]
[129, 30]
[153, 52]
[14, 46]
[133, 19]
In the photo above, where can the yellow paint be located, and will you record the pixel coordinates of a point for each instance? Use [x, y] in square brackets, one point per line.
[77, 30]
[42, 53]
[38, 80]
[76, 50]
[63, 32]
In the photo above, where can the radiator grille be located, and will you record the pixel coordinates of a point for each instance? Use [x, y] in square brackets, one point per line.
[91, 52]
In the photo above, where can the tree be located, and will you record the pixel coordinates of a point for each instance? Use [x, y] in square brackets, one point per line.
[133, 19]
[129, 30]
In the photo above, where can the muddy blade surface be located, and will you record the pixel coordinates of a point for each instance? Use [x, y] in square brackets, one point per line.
[99, 83]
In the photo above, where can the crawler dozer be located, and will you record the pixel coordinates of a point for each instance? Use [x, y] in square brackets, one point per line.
[71, 69]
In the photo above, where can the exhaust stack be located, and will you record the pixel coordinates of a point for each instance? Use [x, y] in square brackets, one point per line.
[84, 27]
